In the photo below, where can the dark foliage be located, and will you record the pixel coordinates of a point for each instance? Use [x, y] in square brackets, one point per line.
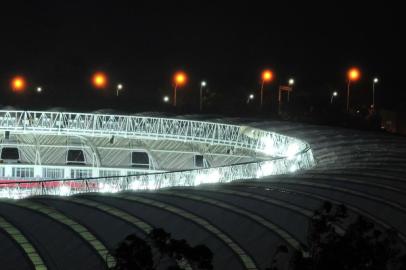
[335, 243]
[133, 253]
[146, 254]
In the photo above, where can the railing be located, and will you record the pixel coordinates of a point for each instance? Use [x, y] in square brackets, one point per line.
[153, 181]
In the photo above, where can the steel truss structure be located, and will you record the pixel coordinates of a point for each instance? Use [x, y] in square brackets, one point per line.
[269, 153]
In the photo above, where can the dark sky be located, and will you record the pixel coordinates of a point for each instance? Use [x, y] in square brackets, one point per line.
[58, 44]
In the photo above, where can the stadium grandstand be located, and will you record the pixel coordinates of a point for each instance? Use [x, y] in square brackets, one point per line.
[195, 179]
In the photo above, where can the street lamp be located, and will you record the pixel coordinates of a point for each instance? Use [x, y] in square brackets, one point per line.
[267, 76]
[291, 83]
[353, 75]
[202, 84]
[250, 97]
[99, 80]
[166, 99]
[180, 79]
[18, 83]
[39, 89]
[119, 88]
[375, 81]
[333, 95]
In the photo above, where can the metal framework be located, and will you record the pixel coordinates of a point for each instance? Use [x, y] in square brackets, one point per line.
[273, 153]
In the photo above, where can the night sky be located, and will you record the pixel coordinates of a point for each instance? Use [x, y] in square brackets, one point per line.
[59, 44]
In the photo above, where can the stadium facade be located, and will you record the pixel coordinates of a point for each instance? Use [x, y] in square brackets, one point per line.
[63, 153]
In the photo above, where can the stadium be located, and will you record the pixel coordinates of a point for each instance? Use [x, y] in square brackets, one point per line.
[195, 179]
[153, 152]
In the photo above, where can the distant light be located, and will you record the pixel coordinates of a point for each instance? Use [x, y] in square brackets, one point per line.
[18, 84]
[39, 89]
[291, 81]
[354, 74]
[335, 93]
[267, 75]
[180, 78]
[203, 83]
[251, 96]
[119, 86]
[166, 99]
[99, 80]
[376, 80]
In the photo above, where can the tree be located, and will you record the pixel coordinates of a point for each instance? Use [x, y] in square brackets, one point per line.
[336, 242]
[133, 253]
[146, 254]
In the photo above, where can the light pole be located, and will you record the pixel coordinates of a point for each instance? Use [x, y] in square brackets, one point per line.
[250, 97]
[375, 81]
[180, 79]
[333, 95]
[267, 76]
[202, 84]
[119, 88]
[353, 75]
[291, 83]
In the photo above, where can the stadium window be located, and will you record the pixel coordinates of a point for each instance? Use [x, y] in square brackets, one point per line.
[10, 153]
[23, 172]
[80, 173]
[53, 173]
[108, 173]
[75, 156]
[199, 161]
[140, 160]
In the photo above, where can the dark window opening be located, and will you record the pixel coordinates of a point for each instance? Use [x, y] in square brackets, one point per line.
[140, 160]
[199, 161]
[10, 153]
[75, 156]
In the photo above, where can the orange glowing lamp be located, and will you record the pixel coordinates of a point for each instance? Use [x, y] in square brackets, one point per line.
[99, 80]
[354, 74]
[18, 84]
[267, 76]
[180, 78]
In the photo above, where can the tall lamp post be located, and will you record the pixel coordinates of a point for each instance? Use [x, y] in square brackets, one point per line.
[267, 76]
[291, 84]
[179, 79]
[333, 95]
[119, 88]
[375, 81]
[202, 84]
[353, 75]
[250, 97]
